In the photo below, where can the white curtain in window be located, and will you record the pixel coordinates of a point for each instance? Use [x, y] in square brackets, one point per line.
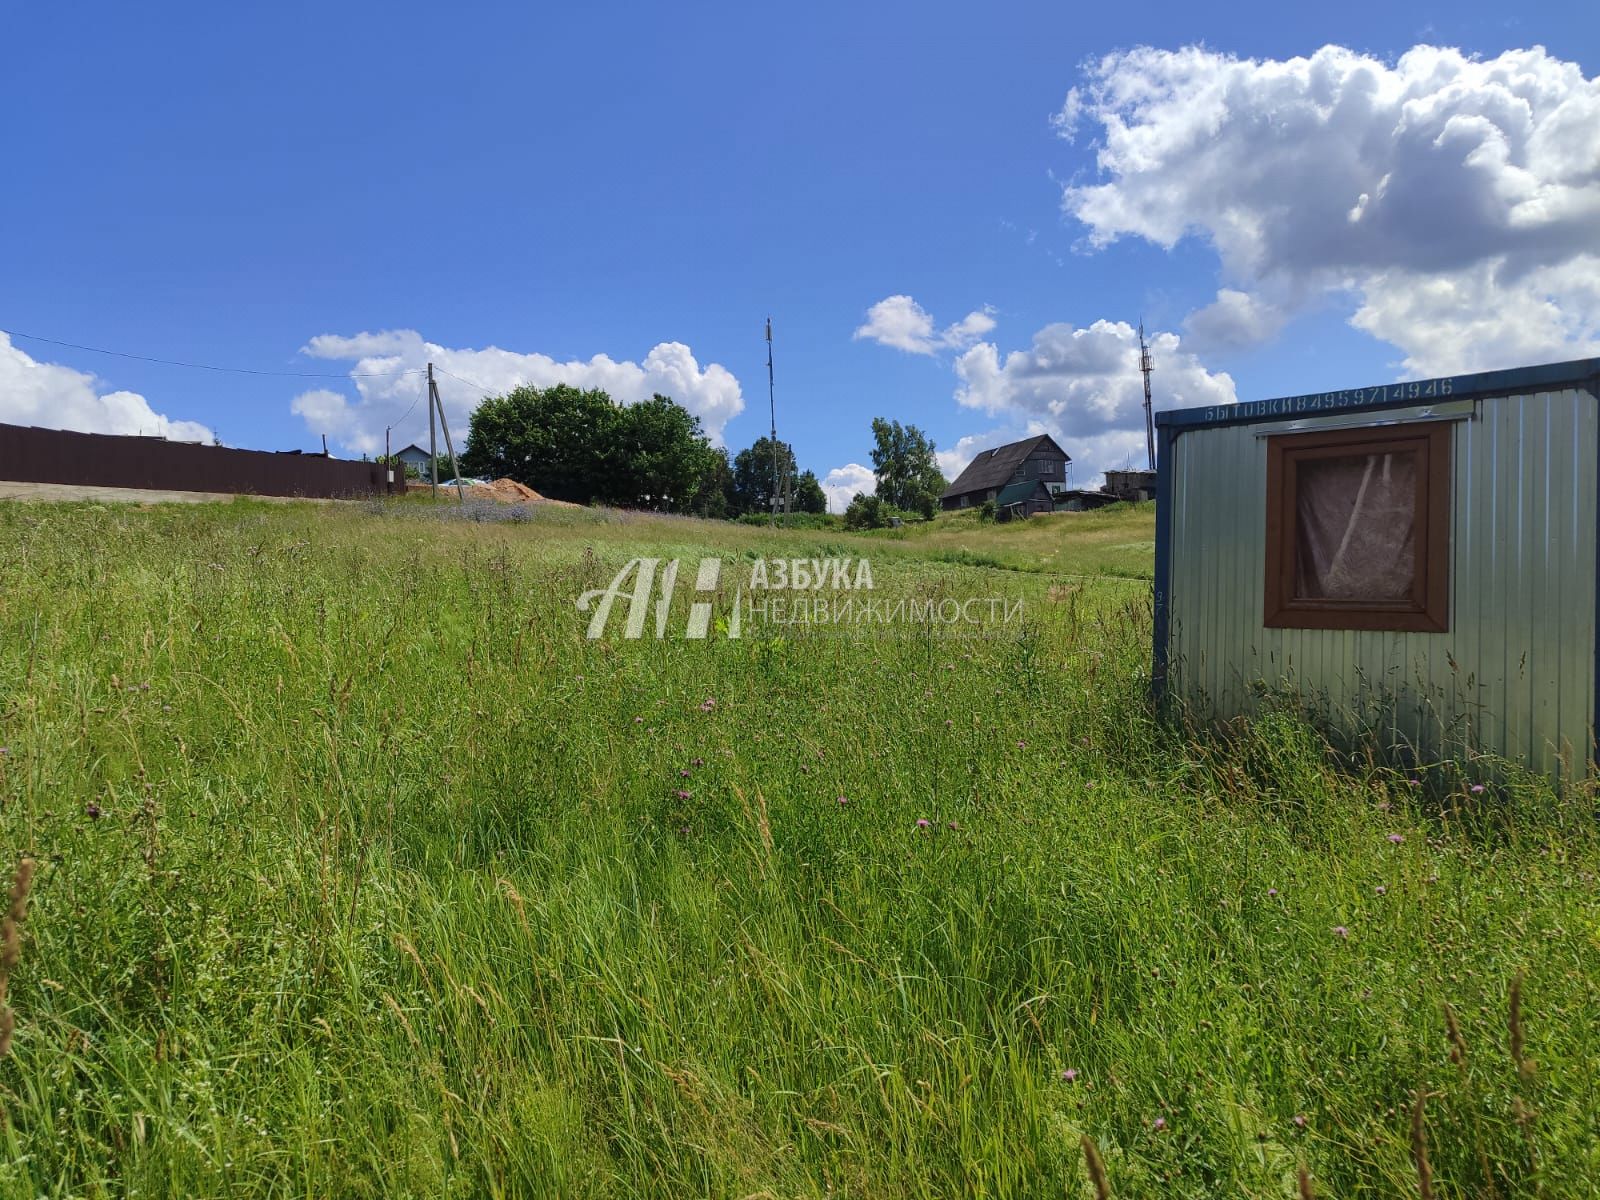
[1356, 527]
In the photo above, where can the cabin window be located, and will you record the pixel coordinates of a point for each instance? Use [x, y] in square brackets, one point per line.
[1358, 529]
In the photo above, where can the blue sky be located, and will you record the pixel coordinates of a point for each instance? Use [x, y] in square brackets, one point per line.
[224, 184]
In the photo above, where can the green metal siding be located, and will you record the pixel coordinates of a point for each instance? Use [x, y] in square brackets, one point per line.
[1514, 675]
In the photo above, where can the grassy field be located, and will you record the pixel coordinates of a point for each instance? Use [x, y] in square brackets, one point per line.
[362, 873]
[1116, 541]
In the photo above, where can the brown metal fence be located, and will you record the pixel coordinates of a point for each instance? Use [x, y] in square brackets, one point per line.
[31, 455]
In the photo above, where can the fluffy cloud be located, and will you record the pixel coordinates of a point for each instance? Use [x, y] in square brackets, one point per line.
[1451, 196]
[900, 322]
[1235, 320]
[954, 460]
[56, 397]
[1083, 387]
[841, 484]
[388, 376]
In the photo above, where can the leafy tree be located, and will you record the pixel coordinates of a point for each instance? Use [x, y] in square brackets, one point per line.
[659, 457]
[866, 512]
[808, 494]
[554, 440]
[908, 473]
[753, 483]
[581, 446]
[713, 495]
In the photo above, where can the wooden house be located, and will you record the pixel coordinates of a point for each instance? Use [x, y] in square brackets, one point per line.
[1037, 462]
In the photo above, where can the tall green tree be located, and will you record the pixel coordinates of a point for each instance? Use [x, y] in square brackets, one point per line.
[555, 439]
[659, 458]
[753, 481]
[908, 473]
[714, 496]
[808, 494]
[581, 446]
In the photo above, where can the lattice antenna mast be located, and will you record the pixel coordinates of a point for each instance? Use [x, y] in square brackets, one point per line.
[772, 405]
[1149, 415]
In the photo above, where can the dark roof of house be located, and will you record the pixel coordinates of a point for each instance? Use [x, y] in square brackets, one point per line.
[994, 468]
[1016, 493]
[409, 449]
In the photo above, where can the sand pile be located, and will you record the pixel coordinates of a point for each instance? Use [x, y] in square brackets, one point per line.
[506, 491]
[501, 491]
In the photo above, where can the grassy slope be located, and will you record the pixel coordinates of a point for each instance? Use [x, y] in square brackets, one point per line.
[393, 891]
[1119, 540]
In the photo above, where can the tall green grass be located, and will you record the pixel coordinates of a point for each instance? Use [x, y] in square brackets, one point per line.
[362, 873]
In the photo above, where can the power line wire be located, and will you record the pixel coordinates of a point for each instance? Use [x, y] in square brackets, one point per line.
[406, 414]
[168, 362]
[468, 382]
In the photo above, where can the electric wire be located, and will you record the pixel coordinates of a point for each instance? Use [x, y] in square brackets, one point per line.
[468, 382]
[169, 362]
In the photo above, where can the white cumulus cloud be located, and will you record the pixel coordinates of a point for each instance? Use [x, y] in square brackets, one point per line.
[1235, 320]
[1083, 387]
[900, 322]
[387, 372]
[1455, 199]
[841, 484]
[55, 397]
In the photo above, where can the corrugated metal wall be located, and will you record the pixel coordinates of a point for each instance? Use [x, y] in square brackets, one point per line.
[1515, 673]
[31, 455]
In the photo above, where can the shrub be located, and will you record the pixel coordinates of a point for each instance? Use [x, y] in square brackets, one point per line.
[866, 512]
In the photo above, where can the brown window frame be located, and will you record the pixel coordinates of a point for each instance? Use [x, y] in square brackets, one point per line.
[1428, 608]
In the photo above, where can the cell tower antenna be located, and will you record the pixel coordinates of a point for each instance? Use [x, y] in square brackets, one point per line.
[772, 405]
[1149, 416]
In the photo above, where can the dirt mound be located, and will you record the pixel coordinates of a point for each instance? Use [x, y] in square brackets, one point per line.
[501, 491]
[507, 491]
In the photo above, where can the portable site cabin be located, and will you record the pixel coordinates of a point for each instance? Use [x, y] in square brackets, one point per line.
[1414, 560]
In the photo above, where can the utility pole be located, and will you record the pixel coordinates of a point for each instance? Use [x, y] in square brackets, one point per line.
[1149, 417]
[433, 448]
[455, 468]
[772, 405]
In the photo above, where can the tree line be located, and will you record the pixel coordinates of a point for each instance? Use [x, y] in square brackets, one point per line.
[580, 445]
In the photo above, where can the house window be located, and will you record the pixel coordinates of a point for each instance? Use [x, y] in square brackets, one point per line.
[1358, 529]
